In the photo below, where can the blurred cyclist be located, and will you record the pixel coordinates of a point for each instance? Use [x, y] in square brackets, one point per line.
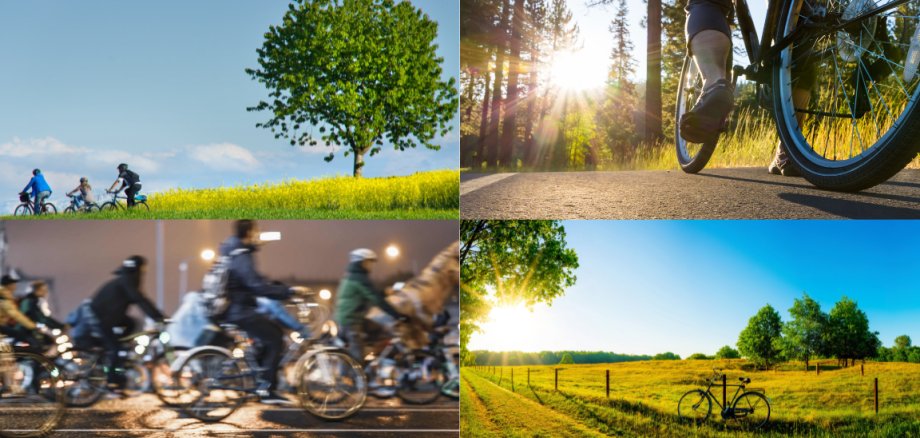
[86, 193]
[130, 183]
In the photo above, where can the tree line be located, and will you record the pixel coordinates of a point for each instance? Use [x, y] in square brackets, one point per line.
[516, 358]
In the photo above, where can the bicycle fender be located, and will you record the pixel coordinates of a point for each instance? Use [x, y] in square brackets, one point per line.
[184, 355]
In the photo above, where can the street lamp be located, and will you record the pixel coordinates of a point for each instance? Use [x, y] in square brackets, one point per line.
[325, 294]
[392, 251]
[208, 255]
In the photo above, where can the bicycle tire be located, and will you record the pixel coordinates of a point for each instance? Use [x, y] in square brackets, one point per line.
[417, 390]
[23, 210]
[49, 208]
[327, 371]
[51, 393]
[84, 369]
[228, 401]
[109, 206]
[690, 161]
[750, 404]
[879, 162]
[165, 385]
[70, 210]
[688, 409]
[144, 204]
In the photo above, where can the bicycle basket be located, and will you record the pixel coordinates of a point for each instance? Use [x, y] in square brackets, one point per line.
[23, 197]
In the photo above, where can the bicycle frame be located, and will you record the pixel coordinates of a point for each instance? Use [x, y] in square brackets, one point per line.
[725, 403]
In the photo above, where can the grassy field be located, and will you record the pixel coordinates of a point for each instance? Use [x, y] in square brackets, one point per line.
[644, 396]
[425, 195]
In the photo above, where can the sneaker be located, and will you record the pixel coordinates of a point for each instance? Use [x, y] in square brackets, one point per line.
[273, 398]
[703, 123]
[781, 164]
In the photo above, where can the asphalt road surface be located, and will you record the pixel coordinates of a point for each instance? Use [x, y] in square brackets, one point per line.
[145, 416]
[744, 193]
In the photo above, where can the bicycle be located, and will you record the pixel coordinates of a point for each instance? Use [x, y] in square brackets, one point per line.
[147, 367]
[449, 356]
[114, 204]
[751, 408]
[31, 401]
[82, 207]
[415, 376]
[217, 381]
[873, 46]
[26, 207]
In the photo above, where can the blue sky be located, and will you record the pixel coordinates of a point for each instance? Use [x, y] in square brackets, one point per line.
[691, 286]
[161, 85]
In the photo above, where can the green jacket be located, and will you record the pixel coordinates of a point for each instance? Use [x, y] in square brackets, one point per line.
[356, 296]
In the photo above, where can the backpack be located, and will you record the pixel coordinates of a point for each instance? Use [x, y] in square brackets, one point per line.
[131, 178]
[214, 293]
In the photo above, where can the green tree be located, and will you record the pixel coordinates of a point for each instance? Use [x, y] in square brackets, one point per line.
[902, 341]
[805, 334]
[666, 356]
[362, 71]
[760, 340]
[727, 352]
[510, 262]
[849, 337]
[566, 359]
[616, 115]
[698, 356]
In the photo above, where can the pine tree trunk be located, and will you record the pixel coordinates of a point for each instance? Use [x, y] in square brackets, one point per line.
[509, 128]
[492, 139]
[483, 123]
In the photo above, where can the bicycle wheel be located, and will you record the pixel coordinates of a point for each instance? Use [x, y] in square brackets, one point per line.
[752, 410]
[214, 384]
[452, 388]
[83, 376]
[331, 384]
[137, 379]
[860, 123]
[31, 401]
[142, 205]
[421, 377]
[692, 157]
[694, 406]
[22, 210]
[109, 206]
[167, 385]
[49, 208]
[70, 210]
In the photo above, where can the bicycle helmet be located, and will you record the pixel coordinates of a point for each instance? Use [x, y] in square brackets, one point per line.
[122, 167]
[131, 264]
[36, 171]
[362, 254]
[84, 180]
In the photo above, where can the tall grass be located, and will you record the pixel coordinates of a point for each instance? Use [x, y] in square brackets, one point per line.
[424, 195]
[644, 396]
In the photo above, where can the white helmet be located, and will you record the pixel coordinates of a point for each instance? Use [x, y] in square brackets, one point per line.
[362, 254]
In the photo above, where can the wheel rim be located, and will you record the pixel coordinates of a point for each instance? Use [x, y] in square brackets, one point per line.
[421, 377]
[31, 404]
[694, 406]
[22, 210]
[751, 410]
[869, 104]
[331, 384]
[691, 87]
[203, 373]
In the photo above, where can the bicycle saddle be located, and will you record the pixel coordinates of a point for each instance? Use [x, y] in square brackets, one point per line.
[744, 380]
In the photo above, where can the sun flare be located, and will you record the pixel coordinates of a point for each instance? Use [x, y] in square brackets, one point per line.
[578, 71]
[510, 327]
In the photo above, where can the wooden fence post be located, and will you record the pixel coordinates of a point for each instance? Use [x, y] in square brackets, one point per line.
[608, 383]
[501, 374]
[556, 384]
[724, 395]
[876, 396]
[512, 380]
[862, 369]
[817, 368]
[528, 376]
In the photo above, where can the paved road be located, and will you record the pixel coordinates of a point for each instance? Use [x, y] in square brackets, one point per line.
[144, 416]
[745, 193]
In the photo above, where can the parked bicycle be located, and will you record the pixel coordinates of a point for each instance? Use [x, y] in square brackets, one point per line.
[115, 203]
[31, 400]
[860, 125]
[80, 206]
[27, 208]
[749, 407]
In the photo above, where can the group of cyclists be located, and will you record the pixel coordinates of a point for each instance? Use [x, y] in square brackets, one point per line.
[39, 189]
[254, 306]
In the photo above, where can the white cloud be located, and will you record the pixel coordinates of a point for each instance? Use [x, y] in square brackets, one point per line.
[19, 148]
[225, 156]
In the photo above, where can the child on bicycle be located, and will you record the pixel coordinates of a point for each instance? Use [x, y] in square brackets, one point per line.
[39, 189]
[86, 193]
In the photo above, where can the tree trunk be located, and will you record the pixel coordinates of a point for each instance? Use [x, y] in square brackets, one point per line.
[509, 129]
[359, 164]
[483, 123]
[653, 74]
[493, 135]
[468, 114]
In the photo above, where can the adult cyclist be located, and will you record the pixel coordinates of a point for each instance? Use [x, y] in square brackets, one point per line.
[709, 43]
[110, 307]
[129, 181]
[39, 189]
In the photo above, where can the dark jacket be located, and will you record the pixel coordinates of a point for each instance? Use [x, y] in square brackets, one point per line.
[29, 306]
[244, 283]
[110, 304]
[356, 296]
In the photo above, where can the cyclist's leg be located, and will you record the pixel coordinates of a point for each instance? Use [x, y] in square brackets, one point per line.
[270, 336]
[351, 334]
[129, 192]
[115, 370]
[709, 42]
